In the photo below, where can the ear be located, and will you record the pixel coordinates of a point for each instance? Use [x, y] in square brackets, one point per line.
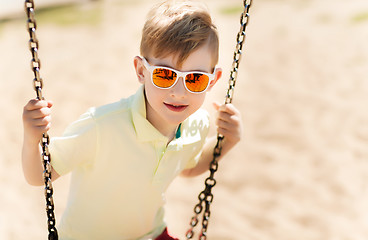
[139, 69]
[218, 74]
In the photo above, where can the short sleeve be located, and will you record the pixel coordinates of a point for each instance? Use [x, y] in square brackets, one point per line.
[199, 122]
[77, 146]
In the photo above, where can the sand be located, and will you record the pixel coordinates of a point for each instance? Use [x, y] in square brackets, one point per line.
[301, 169]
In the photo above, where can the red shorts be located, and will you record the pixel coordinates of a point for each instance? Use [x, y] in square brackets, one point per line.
[165, 236]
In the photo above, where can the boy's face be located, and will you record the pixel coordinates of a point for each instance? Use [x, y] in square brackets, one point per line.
[170, 107]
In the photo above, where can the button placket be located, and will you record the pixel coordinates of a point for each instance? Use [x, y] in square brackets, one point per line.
[160, 148]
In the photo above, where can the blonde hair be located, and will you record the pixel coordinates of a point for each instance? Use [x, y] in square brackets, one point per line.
[178, 28]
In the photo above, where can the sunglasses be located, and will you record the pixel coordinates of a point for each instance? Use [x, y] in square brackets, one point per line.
[165, 78]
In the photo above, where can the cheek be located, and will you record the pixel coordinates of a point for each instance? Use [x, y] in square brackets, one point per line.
[149, 91]
[198, 99]
[153, 94]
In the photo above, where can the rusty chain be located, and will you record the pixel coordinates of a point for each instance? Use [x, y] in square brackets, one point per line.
[206, 197]
[38, 84]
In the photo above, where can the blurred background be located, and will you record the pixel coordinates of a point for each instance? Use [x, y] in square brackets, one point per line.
[301, 170]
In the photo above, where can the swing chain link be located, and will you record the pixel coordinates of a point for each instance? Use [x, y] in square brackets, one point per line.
[45, 141]
[206, 197]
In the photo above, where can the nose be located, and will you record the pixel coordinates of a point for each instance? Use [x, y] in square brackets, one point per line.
[179, 90]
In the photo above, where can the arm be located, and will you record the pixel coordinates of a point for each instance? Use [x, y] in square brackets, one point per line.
[36, 121]
[229, 125]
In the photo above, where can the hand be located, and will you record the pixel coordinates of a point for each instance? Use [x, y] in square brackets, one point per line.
[229, 123]
[36, 119]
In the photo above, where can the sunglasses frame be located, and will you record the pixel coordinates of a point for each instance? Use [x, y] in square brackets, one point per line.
[179, 74]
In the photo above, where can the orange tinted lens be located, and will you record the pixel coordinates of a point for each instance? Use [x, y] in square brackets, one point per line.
[163, 78]
[196, 82]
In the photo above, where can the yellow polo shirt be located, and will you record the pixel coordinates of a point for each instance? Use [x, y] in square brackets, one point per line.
[121, 167]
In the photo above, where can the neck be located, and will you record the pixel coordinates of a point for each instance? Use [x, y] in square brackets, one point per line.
[168, 131]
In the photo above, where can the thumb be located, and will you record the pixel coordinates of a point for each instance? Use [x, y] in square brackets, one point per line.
[219, 107]
[216, 105]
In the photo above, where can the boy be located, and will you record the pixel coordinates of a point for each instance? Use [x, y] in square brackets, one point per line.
[124, 155]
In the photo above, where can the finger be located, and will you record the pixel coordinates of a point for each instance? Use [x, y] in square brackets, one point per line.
[39, 122]
[35, 104]
[222, 123]
[220, 110]
[230, 125]
[228, 134]
[37, 108]
[226, 117]
[230, 108]
[45, 111]
[216, 105]
[37, 113]
[224, 132]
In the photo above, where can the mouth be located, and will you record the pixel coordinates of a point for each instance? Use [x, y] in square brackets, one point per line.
[176, 107]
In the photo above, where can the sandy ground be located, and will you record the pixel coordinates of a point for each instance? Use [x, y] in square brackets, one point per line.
[301, 170]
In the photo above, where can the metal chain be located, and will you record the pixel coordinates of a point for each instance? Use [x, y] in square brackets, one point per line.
[206, 197]
[38, 84]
